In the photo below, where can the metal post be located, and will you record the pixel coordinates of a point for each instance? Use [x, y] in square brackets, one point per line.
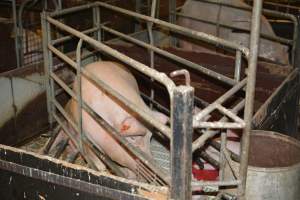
[46, 65]
[297, 47]
[96, 24]
[250, 93]
[172, 19]
[181, 143]
[151, 42]
[17, 47]
[238, 65]
[79, 93]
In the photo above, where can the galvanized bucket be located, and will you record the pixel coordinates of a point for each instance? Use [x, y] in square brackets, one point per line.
[274, 167]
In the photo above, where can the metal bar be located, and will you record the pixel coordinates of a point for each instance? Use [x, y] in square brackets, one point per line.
[172, 20]
[297, 49]
[69, 37]
[66, 115]
[49, 143]
[181, 143]
[174, 57]
[97, 22]
[210, 133]
[230, 114]
[214, 183]
[46, 65]
[182, 30]
[151, 41]
[238, 66]
[220, 100]
[66, 11]
[217, 146]
[219, 125]
[79, 92]
[62, 56]
[103, 157]
[250, 93]
[222, 158]
[63, 85]
[209, 159]
[17, 48]
[160, 77]
[90, 161]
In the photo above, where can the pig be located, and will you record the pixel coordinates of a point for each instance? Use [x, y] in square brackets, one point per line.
[113, 112]
[270, 50]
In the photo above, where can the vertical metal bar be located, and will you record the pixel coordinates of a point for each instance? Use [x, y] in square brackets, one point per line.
[96, 24]
[250, 94]
[181, 142]
[46, 65]
[296, 61]
[59, 5]
[138, 9]
[172, 19]
[222, 156]
[51, 69]
[79, 93]
[157, 9]
[238, 65]
[17, 47]
[151, 41]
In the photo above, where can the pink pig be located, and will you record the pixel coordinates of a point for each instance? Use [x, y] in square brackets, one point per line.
[127, 123]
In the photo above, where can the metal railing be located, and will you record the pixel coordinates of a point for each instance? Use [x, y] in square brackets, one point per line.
[183, 122]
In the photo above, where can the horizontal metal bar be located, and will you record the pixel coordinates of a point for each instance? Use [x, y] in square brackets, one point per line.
[181, 30]
[158, 76]
[265, 36]
[62, 56]
[199, 142]
[220, 125]
[72, 10]
[197, 184]
[69, 37]
[174, 57]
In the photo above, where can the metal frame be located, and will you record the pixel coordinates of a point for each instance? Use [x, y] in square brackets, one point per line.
[182, 120]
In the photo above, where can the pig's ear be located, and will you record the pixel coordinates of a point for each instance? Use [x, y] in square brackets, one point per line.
[161, 117]
[132, 127]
